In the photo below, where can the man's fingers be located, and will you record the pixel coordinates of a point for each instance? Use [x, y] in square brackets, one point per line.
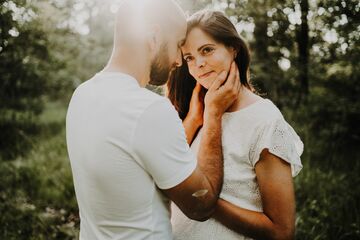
[220, 79]
[231, 78]
[237, 83]
[237, 79]
[232, 85]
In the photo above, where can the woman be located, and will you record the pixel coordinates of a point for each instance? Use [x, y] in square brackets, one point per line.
[261, 150]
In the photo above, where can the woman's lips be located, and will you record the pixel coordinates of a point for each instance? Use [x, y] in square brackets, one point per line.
[205, 74]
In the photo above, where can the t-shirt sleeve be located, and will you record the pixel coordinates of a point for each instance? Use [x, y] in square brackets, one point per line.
[160, 146]
[281, 140]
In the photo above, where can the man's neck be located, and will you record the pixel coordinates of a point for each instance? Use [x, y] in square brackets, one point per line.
[128, 65]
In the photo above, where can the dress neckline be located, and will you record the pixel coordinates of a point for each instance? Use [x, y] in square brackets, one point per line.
[247, 108]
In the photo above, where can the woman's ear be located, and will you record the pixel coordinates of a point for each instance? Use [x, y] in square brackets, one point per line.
[235, 53]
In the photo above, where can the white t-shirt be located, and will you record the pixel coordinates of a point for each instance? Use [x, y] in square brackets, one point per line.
[124, 142]
[245, 133]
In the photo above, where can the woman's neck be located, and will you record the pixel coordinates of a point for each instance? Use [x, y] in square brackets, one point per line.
[246, 97]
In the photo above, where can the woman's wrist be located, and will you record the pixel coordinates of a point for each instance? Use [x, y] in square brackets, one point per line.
[217, 211]
[194, 120]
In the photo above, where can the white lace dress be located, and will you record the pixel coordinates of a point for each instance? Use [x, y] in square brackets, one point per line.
[245, 134]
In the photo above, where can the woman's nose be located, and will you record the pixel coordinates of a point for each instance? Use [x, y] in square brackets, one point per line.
[200, 62]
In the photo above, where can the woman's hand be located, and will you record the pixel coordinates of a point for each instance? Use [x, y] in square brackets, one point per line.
[196, 107]
[195, 117]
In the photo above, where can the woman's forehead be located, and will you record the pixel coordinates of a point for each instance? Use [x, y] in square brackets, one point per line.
[196, 38]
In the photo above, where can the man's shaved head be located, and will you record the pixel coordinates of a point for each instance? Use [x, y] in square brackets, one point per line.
[134, 17]
[150, 32]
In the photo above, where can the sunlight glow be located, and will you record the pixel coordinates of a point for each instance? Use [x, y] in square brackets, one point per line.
[331, 36]
[114, 8]
[19, 14]
[284, 63]
[14, 32]
[245, 26]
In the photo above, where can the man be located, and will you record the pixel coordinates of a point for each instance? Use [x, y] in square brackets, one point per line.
[126, 143]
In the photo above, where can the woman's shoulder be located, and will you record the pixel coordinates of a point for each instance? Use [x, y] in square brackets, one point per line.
[270, 108]
[276, 134]
[259, 114]
[266, 111]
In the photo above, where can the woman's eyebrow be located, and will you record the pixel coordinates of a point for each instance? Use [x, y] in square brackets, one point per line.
[182, 42]
[199, 48]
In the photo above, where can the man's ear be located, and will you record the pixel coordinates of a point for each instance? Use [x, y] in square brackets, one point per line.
[154, 39]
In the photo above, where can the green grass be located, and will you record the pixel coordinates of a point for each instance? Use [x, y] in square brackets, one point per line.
[328, 204]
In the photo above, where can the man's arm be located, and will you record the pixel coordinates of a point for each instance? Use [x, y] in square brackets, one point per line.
[198, 194]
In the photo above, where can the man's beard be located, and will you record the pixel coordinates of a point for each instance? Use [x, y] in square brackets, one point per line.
[160, 67]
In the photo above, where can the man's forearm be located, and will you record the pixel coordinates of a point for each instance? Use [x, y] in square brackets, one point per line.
[210, 157]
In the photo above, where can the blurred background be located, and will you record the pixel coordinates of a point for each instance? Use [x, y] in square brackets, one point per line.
[305, 57]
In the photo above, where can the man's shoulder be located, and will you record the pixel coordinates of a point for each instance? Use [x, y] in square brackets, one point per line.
[149, 95]
[157, 106]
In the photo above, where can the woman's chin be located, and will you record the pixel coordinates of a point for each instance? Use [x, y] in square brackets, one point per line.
[209, 82]
[206, 86]
[203, 84]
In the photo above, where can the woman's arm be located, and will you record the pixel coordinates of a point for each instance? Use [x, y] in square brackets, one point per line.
[277, 193]
[194, 119]
[191, 126]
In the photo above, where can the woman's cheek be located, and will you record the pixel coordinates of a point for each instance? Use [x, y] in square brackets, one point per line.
[192, 72]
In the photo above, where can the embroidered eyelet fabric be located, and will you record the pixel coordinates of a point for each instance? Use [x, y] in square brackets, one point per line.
[246, 133]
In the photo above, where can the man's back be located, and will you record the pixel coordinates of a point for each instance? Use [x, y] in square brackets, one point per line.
[118, 162]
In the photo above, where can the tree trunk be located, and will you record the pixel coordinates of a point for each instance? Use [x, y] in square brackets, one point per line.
[303, 48]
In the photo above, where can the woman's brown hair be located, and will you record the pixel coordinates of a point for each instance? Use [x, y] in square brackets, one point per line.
[220, 28]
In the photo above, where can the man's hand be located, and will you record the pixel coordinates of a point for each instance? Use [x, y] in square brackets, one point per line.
[223, 92]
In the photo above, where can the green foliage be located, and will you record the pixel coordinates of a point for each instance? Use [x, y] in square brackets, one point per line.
[43, 57]
[36, 191]
[23, 48]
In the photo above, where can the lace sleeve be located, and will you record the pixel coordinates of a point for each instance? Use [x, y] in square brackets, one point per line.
[281, 140]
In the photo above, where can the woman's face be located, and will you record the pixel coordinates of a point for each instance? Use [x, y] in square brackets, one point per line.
[205, 57]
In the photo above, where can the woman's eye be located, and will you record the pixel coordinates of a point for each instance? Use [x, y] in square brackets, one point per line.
[188, 59]
[207, 50]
